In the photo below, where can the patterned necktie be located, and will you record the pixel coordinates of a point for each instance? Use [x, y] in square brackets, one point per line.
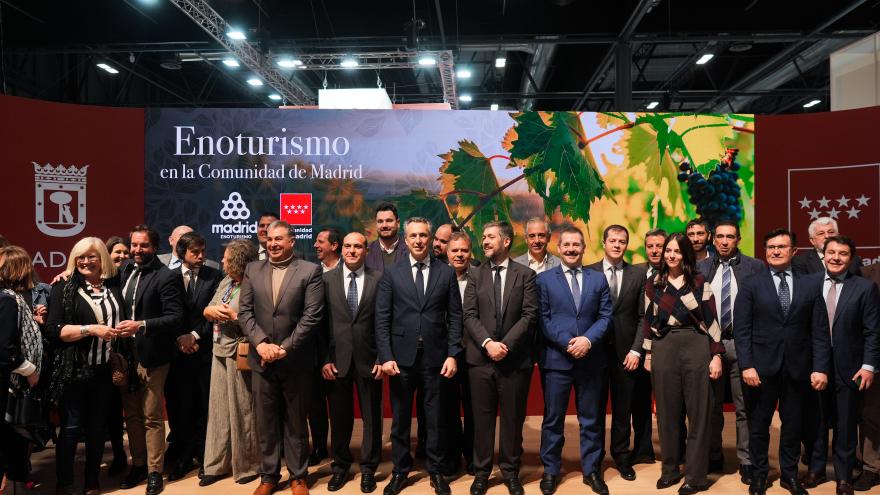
[352, 296]
[420, 280]
[575, 288]
[613, 285]
[784, 294]
[831, 302]
[498, 296]
[725, 296]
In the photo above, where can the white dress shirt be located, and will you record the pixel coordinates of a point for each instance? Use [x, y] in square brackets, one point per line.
[538, 266]
[425, 270]
[826, 286]
[717, 283]
[325, 268]
[606, 269]
[346, 281]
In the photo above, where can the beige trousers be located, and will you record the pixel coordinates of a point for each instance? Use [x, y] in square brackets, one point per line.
[145, 420]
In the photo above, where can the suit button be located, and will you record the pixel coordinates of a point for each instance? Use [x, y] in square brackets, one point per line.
[578, 318]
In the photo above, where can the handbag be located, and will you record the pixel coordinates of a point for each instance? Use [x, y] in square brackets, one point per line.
[118, 369]
[27, 414]
[241, 356]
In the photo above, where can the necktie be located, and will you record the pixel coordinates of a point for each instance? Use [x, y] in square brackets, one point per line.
[352, 296]
[498, 297]
[130, 287]
[784, 294]
[613, 285]
[831, 302]
[725, 296]
[190, 284]
[420, 280]
[575, 288]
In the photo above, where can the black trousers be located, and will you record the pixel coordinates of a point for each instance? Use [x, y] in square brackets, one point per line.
[319, 424]
[14, 452]
[792, 396]
[84, 412]
[403, 387]
[630, 411]
[341, 397]
[680, 374]
[281, 399]
[839, 410]
[457, 423]
[506, 395]
[187, 390]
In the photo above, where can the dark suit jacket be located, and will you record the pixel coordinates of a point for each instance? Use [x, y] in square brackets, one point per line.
[10, 337]
[158, 302]
[797, 344]
[206, 284]
[345, 338]
[855, 333]
[292, 323]
[560, 321]
[627, 311]
[743, 267]
[808, 261]
[519, 315]
[872, 273]
[374, 255]
[400, 319]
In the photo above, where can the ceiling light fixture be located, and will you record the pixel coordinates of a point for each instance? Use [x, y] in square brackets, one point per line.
[812, 103]
[289, 63]
[349, 63]
[108, 68]
[255, 82]
[500, 62]
[275, 97]
[427, 60]
[463, 74]
[652, 105]
[705, 58]
[236, 34]
[230, 62]
[465, 98]
[493, 107]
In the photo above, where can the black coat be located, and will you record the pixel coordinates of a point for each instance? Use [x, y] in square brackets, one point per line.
[347, 340]
[628, 310]
[206, 284]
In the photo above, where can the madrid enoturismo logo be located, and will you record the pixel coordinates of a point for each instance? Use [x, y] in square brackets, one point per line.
[234, 208]
[60, 199]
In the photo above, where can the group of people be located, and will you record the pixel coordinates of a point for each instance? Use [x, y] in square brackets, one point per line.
[253, 356]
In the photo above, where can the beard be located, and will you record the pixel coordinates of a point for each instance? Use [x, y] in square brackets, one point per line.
[388, 234]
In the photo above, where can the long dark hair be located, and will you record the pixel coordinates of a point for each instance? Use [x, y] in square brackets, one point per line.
[688, 261]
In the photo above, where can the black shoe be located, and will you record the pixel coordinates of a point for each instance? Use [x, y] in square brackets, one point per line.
[866, 481]
[201, 470]
[595, 482]
[716, 465]
[844, 488]
[210, 479]
[118, 466]
[793, 485]
[368, 482]
[398, 481]
[480, 485]
[689, 489]
[758, 486]
[514, 484]
[247, 479]
[548, 484]
[440, 485]
[154, 483]
[745, 474]
[812, 480]
[337, 481]
[317, 456]
[135, 476]
[667, 482]
[626, 472]
[181, 470]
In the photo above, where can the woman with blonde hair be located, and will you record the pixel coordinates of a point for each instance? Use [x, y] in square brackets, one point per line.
[231, 442]
[84, 309]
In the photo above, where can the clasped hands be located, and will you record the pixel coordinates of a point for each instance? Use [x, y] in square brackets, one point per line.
[270, 352]
[578, 347]
[450, 367]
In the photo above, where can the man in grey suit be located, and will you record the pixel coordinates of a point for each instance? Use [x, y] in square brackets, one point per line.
[170, 259]
[349, 352]
[538, 237]
[281, 302]
[725, 271]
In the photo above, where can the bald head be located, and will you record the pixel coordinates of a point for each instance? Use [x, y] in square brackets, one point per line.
[176, 233]
[354, 250]
[441, 240]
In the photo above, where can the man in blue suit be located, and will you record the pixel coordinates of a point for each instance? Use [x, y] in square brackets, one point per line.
[851, 303]
[418, 336]
[780, 331]
[575, 313]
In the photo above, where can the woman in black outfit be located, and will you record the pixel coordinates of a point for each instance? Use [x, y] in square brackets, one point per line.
[83, 311]
[683, 344]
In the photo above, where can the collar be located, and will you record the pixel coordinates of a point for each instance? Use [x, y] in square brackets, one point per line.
[463, 276]
[393, 246]
[338, 261]
[505, 264]
[426, 261]
[565, 268]
[607, 264]
[184, 270]
[820, 254]
[787, 271]
[840, 278]
[346, 271]
[733, 260]
[282, 263]
[536, 262]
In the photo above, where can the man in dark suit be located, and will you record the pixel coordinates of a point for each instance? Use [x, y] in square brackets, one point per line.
[172, 260]
[349, 355]
[726, 271]
[629, 382]
[387, 249]
[280, 306]
[869, 429]
[810, 260]
[575, 315]
[851, 302]
[189, 377]
[782, 344]
[154, 298]
[500, 313]
[418, 336]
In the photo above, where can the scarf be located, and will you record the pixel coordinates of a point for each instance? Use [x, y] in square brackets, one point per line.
[31, 339]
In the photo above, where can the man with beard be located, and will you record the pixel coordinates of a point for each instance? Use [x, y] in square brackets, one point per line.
[537, 237]
[154, 298]
[697, 231]
[387, 249]
[441, 242]
[500, 312]
[266, 219]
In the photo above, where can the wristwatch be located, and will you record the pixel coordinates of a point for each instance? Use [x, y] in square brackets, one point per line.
[83, 330]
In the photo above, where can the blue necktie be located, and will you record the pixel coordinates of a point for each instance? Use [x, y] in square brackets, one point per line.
[352, 296]
[575, 288]
[725, 296]
[784, 293]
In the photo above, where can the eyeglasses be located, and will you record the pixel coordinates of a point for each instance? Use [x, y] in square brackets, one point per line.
[91, 257]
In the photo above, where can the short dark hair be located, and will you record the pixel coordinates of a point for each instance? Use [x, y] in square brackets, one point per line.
[269, 214]
[727, 223]
[697, 221]
[504, 228]
[614, 227]
[334, 236]
[656, 232]
[188, 241]
[151, 234]
[778, 232]
[386, 206]
[112, 241]
[841, 239]
[460, 236]
[571, 229]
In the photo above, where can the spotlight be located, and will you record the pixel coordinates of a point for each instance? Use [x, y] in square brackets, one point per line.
[463, 73]
[812, 103]
[254, 82]
[705, 58]
[500, 62]
[349, 63]
[652, 105]
[230, 62]
[427, 60]
[493, 107]
[108, 68]
[465, 98]
[236, 34]
[275, 97]
[289, 63]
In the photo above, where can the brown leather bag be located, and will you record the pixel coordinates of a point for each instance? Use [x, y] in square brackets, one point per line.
[118, 369]
[241, 356]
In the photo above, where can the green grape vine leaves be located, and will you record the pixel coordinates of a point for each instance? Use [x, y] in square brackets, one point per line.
[421, 203]
[551, 148]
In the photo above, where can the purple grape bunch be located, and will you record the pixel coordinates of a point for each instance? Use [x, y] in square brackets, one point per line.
[716, 197]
